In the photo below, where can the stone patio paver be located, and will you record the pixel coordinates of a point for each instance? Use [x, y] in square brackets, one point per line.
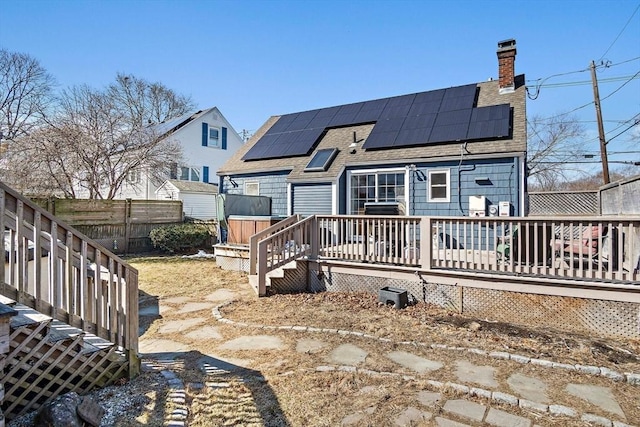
[499, 418]
[411, 416]
[469, 410]
[467, 372]
[205, 333]
[254, 342]
[347, 354]
[413, 362]
[529, 387]
[308, 345]
[174, 326]
[443, 422]
[195, 306]
[428, 398]
[599, 396]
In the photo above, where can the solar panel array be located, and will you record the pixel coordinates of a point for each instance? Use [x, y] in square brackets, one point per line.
[443, 115]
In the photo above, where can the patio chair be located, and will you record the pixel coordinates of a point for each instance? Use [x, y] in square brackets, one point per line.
[586, 249]
[506, 243]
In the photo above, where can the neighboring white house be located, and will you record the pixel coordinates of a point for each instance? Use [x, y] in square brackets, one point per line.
[208, 140]
[198, 198]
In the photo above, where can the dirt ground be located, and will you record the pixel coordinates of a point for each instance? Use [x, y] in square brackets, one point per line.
[284, 389]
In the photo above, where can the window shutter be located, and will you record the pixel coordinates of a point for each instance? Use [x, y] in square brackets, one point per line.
[224, 138]
[205, 134]
[205, 174]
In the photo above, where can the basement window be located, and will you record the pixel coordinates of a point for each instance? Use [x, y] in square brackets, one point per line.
[321, 160]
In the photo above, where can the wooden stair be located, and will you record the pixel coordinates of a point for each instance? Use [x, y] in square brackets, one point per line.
[288, 278]
[47, 358]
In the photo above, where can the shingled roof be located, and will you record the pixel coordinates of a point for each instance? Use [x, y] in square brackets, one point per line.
[342, 138]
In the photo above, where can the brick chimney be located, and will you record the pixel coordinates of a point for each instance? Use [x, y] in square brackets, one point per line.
[506, 65]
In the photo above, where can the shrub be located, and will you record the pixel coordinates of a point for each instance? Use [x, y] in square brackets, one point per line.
[182, 237]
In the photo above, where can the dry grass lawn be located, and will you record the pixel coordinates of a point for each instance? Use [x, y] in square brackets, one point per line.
[283, 388]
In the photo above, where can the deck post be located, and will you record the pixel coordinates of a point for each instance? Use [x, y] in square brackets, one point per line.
[262, 268]
[426, 247]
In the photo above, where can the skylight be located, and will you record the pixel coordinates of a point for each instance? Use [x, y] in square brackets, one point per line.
[321, 160]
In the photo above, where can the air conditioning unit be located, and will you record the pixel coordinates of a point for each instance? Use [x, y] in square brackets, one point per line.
[477, 205]
[493, 210]
[504, 208]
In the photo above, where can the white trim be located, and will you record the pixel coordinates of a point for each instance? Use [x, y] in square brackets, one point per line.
[448, 185]
[334, 198]
[289, 199]
[522, 186]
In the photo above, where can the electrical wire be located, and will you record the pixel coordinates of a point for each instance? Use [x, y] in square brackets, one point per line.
[589, 82]
[637, 122]
[541, 81]
[621, 86]
[620, 33]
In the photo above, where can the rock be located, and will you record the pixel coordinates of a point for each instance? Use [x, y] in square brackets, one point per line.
[475, 326]
[90, 412]
[60, 412]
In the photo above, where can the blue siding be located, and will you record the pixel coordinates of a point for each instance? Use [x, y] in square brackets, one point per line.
[273, 185]
[502, 185]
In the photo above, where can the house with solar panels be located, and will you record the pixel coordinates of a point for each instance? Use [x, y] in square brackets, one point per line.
[456, 151]
[207, 140]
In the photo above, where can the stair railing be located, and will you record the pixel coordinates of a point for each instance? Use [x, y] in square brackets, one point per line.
[291, 243]
[55, 269]
[253, 240]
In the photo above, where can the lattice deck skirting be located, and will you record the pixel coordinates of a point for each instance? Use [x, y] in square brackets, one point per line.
[42, 363]
[580, 315]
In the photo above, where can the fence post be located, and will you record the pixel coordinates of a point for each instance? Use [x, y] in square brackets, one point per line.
[127, 224]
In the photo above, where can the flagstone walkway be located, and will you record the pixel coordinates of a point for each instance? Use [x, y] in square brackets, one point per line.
[488, 388]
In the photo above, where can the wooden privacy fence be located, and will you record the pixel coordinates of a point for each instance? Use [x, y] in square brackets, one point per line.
[123, 226]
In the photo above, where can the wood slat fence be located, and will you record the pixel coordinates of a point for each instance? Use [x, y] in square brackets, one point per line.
[123, 226]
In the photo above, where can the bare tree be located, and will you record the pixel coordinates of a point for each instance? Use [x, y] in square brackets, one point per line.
[25, 94]
[96, 139]
[145, 103]
[554, 148]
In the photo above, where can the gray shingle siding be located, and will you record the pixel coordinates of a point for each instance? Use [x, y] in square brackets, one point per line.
[274, 186]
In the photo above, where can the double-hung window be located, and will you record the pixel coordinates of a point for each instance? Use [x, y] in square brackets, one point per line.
[439, 186]
[215, 137]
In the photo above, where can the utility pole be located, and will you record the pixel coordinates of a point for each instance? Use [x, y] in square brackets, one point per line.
[603, 143]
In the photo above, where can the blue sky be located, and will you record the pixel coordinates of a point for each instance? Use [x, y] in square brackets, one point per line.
[253, 59]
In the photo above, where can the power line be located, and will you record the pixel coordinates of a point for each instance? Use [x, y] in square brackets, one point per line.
[588, 82]
[620, 33]
[637, 122]
[623, 85]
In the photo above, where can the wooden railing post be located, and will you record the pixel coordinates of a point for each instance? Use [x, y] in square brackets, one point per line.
[262, 268]
[426, 242]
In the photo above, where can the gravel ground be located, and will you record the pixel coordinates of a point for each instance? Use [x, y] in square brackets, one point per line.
[122, 404]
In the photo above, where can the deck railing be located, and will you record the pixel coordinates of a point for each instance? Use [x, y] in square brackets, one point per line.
[587, 248]
[62, 273]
